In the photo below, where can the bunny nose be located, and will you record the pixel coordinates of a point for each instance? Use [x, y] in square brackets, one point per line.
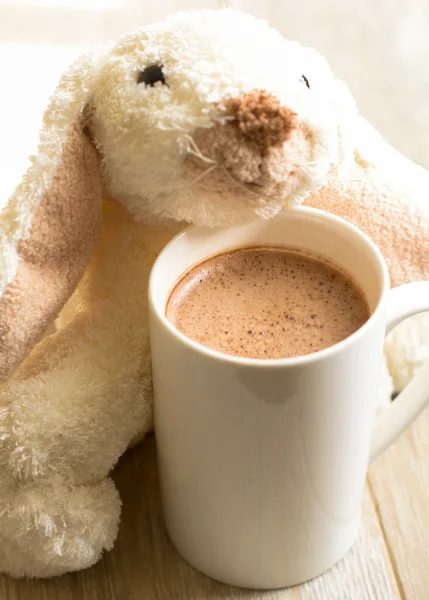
[261, 118]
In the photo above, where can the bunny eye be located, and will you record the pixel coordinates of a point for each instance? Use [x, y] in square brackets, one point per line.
[305, 80]
[151, 75]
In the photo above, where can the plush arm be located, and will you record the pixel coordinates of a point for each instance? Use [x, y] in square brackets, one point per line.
[387, 196]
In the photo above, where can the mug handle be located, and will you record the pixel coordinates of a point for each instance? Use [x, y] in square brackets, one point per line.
[403, 301]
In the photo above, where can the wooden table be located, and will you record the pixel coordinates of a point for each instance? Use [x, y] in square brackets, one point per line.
[389, 561]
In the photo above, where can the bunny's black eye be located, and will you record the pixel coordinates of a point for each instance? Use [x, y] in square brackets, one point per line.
[305, 80]
[151, 75]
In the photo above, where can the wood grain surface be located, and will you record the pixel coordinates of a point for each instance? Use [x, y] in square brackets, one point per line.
[400, 484]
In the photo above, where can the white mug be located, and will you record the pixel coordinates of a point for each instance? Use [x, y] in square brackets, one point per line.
[263, 462]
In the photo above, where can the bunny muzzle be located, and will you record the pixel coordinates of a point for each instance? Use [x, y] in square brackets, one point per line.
[258, 144]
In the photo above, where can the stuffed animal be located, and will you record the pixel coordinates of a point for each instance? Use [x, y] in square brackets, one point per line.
[207, 117]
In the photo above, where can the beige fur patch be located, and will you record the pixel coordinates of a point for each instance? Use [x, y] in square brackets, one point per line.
[55, 254]
[384, 214]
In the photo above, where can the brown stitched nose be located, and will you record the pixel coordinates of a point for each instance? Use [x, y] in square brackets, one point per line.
[261, 118]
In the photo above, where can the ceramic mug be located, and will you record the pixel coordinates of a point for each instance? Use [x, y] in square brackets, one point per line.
[263, 462]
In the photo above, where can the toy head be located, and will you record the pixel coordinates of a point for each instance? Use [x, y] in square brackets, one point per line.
[212, 117]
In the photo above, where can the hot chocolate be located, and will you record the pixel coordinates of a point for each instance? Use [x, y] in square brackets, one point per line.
[266, 303]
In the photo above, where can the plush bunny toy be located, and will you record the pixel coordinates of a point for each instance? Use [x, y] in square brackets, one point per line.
[208, 117]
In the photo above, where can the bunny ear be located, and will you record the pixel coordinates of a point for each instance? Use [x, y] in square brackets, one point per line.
[50, 224]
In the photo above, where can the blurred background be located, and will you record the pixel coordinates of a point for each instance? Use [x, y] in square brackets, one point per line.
[380, 48]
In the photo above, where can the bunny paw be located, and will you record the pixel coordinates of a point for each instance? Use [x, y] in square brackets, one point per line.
[56, 527]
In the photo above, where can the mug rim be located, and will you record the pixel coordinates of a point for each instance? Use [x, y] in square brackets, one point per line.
[294, 361]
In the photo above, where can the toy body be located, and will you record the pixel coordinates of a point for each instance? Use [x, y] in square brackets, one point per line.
[181, 122]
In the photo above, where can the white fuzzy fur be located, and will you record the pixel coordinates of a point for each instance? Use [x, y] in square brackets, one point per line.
[71, 410]
[407, 349]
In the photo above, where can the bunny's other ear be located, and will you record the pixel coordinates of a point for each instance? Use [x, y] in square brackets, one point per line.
[49, 226]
